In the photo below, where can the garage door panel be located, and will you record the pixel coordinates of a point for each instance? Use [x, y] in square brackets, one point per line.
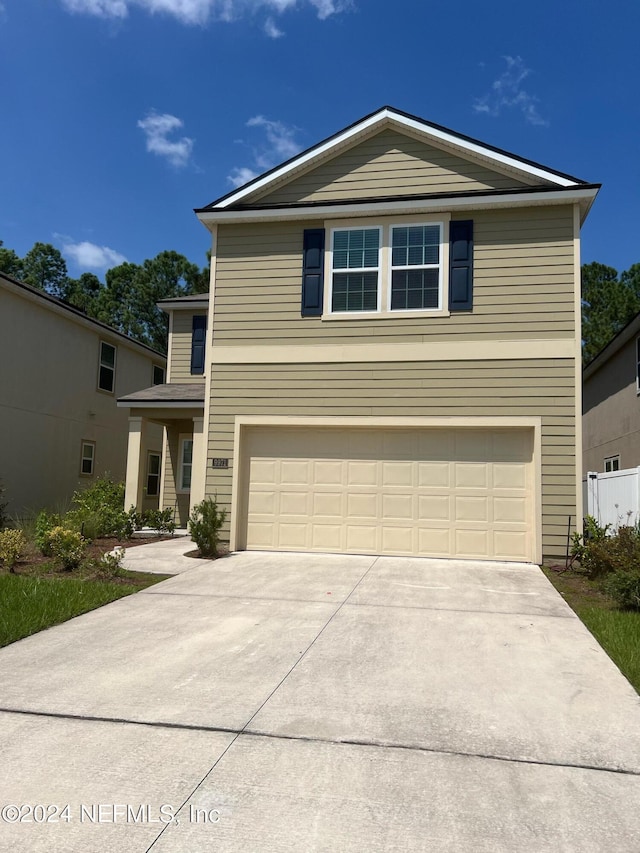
[471, 475]
[434, 474]
[472, 509]
[441, 493]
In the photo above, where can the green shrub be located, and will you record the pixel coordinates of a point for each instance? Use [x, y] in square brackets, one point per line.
[204, 526]
[624, 588]
[107, 566]
[99, 511]
[160, 520]
[45, 522]
[12, 547]
[67, 546]
[619, 552]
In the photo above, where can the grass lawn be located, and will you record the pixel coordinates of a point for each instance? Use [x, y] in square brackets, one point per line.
[617, 631]
[40, 594]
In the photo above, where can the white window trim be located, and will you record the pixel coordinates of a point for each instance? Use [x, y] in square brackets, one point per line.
[611, 459]
[181, 440]
[87, 443]
[151, 453]
[100, 366]
[383, 311]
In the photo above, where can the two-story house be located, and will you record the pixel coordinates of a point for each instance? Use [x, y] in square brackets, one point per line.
[611, 404]
[392, 352]
[60, 375]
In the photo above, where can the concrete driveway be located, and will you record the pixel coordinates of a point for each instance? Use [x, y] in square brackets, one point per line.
[287, 702]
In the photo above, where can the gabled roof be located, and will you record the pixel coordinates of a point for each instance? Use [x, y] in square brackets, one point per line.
[630, 331]
[78, 314]
[389, 116]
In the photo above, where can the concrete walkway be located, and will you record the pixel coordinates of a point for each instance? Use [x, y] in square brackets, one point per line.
[287, 702]
[163, 558]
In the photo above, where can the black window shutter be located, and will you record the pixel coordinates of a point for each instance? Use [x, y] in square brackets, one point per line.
[312, 272]
[461, 265]
[198, 340]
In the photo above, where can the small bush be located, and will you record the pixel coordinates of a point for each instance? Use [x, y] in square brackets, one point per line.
[107, 566]
[617, 553]
[45, 522]
[624, 588]
[99, 511]
[160, 520]
[205, 523]
[67, 547]
[12, 547]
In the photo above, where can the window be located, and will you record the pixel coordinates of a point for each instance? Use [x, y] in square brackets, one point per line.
[107, 368]
[153, 475]
[611, 463]
[415, 267]
[158, 375]
[186, 461]
[87, 458]
[388, 268]
[638, 365]
[355, 269]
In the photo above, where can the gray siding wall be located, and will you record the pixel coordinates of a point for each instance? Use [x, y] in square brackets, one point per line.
[611, 407]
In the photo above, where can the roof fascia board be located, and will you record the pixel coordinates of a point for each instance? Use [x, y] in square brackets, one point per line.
[183, 306]
[77, 316]
[382, 207]
[160, 404]
[423, 128]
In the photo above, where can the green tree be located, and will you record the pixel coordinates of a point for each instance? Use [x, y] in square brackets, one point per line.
[45, 268]
[608, 303]
[84, 293]
[10, 262]
[117, 302]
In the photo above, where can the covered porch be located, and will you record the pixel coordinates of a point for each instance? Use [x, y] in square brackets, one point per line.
[179, 409]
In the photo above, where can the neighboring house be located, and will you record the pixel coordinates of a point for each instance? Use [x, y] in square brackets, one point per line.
[611, 404]
[60, 375]
[390, 357]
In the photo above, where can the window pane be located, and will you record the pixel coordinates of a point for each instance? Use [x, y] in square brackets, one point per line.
[105, 381]
[87, 451]
[186, 477]
[108, 355]
[154, 463]
[356, 248]
[87, 466]
[415, 246]
[414, 289]
[187, 452]
[158, 375]
[153, 482]
[355, 292]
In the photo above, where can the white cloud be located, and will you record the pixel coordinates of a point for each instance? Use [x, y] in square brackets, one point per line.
[241, 175]
[92, 256]
[506, 92]
[157, 128]
[281, 145]
[272, 30]
[201, 11]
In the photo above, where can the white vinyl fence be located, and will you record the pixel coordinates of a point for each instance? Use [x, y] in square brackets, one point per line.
[613, 498]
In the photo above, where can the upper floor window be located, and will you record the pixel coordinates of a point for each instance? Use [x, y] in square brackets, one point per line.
[387, 268]
[107, 368]
[158, 375]
[638, 365]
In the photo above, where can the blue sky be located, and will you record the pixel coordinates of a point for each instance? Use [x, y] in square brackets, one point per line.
[121, 116]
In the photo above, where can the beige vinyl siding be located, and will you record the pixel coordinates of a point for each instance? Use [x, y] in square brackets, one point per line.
[171, 464]
[544, 388]
[388, 164]
[180, 345]
[523, 285]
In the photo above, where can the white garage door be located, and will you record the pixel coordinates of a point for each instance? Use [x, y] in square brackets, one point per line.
[424, 492]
